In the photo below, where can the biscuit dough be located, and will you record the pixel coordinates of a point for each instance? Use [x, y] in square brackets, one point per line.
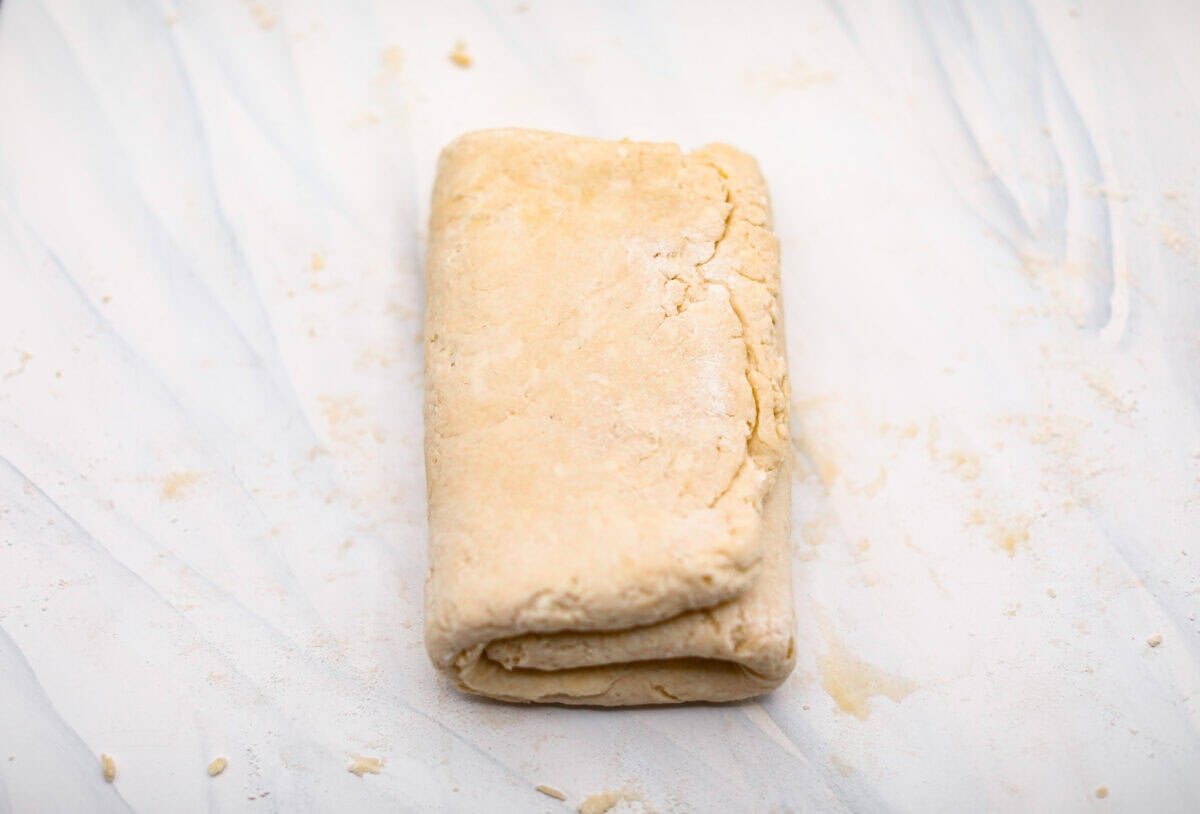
[606, 423]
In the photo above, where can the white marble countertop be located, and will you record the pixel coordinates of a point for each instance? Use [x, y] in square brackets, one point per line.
[212, 537]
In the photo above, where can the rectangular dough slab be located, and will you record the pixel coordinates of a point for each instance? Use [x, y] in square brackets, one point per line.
[606, 423]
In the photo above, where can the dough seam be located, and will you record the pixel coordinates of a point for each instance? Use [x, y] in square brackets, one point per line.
[730, 216]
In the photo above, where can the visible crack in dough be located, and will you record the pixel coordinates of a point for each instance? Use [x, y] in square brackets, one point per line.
[706, 619]
[661, 690]
[753, 435]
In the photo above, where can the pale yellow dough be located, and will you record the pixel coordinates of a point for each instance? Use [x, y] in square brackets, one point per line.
[606, 423]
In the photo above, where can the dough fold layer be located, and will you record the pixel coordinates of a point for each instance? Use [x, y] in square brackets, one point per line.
[606, 429]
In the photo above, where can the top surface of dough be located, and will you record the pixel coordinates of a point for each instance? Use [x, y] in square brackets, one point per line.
[592, 411]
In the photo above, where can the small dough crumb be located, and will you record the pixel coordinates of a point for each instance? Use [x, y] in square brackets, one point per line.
[459, 55]
[217, 766]
[393, 59]
[550, 791]
[1155, 640]
[109, 767]
[1102, 792]
[1050, 592]
[599, 803]
[1172, 238]
[605, 801]
[263, 16]
[365, 765]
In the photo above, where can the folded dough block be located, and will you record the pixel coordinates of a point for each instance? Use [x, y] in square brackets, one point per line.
[606, 423]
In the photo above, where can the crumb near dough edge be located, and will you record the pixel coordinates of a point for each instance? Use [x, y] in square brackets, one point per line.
[550, 791]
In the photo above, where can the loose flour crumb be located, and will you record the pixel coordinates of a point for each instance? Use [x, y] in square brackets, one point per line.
[550, 791]
[1172, 238]
[605, 801]
[109, 767]
[459, 55]
[1155, 640]
[599, 803]
[217, 766]
[1102, 792]
[365, 765]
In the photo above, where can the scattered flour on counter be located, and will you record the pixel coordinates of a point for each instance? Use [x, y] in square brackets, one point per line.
[1104, 191]
[852, 682]
[23, 358]
[1009, 533]
[1172, 238]
[792, 76]
[264, 18]
[1178, 241]
[177, 484]
[393, 60]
